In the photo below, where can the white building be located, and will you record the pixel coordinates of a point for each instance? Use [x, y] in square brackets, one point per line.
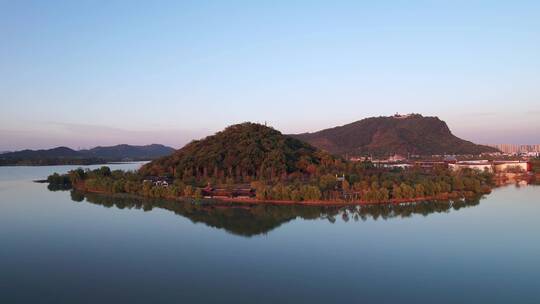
[505, 166]
[479, 165]
[492, 166]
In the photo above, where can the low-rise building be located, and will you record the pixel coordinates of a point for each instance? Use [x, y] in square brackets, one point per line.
[430, 165]
[502, 166]
[159, 181]
[478, 165]
[511, 166]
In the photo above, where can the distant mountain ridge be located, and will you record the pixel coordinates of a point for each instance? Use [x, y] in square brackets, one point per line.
[127, 151]
[58, 152]
[65, 155]
[389, 135]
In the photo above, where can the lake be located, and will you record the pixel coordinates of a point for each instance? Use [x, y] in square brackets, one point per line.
[66, 247]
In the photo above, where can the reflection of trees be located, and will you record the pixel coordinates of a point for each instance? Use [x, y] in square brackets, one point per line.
[407, 210]
[77, 196]
[250, 220]
[58, 187]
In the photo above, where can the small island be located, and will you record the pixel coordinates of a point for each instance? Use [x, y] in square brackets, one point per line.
[254, 163]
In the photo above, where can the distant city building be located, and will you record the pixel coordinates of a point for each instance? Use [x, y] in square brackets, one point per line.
[517, 149]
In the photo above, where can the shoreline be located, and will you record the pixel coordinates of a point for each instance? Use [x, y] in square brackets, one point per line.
[254, 201]
[76, 164]
[341, 203]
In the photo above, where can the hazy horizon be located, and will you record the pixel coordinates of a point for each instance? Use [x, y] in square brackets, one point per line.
[112, 137]
[83, 74]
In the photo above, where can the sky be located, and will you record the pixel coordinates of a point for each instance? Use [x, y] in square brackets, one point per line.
[87, 73]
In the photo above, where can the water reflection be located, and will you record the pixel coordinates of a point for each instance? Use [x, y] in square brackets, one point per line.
[55, 187]
[250, 220]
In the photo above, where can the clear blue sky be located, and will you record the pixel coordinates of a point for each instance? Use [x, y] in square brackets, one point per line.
[83, 73]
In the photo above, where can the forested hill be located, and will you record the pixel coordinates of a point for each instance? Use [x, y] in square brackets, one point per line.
[241, 151]
[409, 134]
[64, 155]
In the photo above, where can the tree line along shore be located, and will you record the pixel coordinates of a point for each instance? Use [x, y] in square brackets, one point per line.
[366, 184]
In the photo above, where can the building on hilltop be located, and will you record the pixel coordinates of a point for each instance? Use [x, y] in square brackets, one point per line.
[399, 116]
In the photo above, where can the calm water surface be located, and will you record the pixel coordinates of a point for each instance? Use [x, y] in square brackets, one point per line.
[65, 247]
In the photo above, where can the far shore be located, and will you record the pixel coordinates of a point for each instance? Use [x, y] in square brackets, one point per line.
[83, 164]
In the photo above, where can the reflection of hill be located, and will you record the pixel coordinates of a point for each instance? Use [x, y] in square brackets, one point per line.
[237, 219]
[250, 220]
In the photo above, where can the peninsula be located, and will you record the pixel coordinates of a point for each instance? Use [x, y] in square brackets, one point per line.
[255, 163]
